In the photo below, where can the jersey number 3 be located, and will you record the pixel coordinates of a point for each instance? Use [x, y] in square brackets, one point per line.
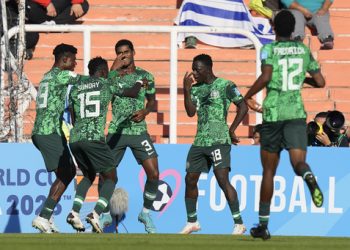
[85, 100]
[291, 67]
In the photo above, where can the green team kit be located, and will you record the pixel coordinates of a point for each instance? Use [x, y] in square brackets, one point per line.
[284, 115]
[123, 133]
[212, 102]
[89, 99]
[47, 134]
[290, 61]
[212, 140]
[123, 107]
[50, 101]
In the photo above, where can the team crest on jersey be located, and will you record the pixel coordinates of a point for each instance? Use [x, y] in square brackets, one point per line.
[214, 94]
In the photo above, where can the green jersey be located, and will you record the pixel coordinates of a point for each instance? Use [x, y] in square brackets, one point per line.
[212, 102]
[124, 107]
[290, 61]
[50, 101]
[89, 99]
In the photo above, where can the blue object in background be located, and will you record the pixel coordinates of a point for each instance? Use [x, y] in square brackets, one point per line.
[24, 185]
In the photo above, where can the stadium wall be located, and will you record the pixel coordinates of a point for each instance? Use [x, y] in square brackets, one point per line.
[24, 185]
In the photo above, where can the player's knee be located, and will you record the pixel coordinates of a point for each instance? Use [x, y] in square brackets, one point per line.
[151, 171]
[269, 172]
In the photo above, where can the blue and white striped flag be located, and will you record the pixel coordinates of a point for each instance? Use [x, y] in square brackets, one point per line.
[222, 13]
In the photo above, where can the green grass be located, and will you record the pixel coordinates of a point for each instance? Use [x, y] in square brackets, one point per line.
[165, 242]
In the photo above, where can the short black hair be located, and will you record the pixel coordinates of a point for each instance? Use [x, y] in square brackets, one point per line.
[62, 50]
[96, 64]
[205, 59]
[123, 42]
[284, 23]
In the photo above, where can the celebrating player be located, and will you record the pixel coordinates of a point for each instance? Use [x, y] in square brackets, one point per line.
[211, 97]
[47, 135]
[284, 65]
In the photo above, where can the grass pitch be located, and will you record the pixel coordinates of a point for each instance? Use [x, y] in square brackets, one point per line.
[165, 242]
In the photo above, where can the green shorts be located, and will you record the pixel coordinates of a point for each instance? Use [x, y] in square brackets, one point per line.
[54, 150]
[93, 156]
[200, 159]
[289, 134]
[141, 146]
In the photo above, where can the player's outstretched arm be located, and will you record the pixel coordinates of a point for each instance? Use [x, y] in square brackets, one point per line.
[261, 82]
[133, 91]
[254, 105]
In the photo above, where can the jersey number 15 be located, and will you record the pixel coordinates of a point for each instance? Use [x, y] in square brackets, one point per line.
[85, 100]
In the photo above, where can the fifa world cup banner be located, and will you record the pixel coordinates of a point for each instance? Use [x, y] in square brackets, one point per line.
[24, 184]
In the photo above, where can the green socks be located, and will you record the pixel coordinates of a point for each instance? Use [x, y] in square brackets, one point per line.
[191, 209]
[80, 194]
[105, 195]
[264, 213]
[47, 210]
[236, 214]
[150, 193]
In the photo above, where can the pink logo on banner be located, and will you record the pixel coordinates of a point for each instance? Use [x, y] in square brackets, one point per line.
[168, 172]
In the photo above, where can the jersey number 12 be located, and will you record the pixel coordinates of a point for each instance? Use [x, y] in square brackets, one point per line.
[288, 76]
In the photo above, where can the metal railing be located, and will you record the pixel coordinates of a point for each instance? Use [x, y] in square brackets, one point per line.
[172, 30]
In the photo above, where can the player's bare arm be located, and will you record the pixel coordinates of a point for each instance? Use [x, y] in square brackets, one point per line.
[187, 85]
[133, 91]
[242, 110]
[316, 80]
[254, 105]
[261, 82]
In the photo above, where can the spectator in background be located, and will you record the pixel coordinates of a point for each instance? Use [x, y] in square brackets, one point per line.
[221, 13]
[256, 134]
[327, 130]
[266, 8]
[54, 12]
[12, 20]
[315, 15]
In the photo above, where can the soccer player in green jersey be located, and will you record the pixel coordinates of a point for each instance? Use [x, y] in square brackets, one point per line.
[89, 99]
[132, 132]
[284, 65]
[210, 97]
[47, 135]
